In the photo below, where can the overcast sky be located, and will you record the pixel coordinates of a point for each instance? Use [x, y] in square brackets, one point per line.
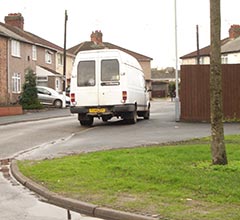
[144, 26]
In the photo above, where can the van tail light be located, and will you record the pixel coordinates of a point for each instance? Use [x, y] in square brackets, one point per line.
[124, 96]
[72, 96]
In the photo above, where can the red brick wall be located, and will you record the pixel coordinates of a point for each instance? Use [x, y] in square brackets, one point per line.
[10, 110]
[3, 71]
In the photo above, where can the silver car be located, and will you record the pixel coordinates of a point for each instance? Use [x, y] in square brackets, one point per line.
[49, 96]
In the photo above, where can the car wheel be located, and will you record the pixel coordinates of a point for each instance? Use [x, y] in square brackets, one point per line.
[58, 103]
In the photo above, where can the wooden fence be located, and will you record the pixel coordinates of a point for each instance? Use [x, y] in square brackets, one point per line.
[195, 92]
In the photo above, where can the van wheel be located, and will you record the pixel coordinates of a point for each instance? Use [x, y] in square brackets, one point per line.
[133, 117]
[147, 114]
[86, 120]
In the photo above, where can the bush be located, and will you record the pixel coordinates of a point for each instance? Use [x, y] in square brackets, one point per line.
[29, 98]
[172, 89]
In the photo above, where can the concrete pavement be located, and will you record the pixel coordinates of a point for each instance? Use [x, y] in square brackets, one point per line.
[35, 115]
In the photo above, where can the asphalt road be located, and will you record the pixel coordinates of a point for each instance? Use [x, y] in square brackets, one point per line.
[161, 128]
[54, 137]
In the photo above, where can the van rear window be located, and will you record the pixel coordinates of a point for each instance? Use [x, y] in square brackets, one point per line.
[110, 70]
[86, 73]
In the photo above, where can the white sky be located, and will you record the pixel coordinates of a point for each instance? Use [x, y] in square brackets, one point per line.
[144, 26]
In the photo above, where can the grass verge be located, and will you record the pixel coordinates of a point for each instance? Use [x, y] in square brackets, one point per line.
[175, 182]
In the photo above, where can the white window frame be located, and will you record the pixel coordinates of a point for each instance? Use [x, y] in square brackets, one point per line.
[48, 56]
[16, 83]
[34, 52]
[224, 59]
[15, 48]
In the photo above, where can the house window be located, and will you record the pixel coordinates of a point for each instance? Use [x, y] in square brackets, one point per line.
[15, 46]
[16, 83]
[48, 56]
[224, 59]
[42, 79]
[60, 59]
[34, 52]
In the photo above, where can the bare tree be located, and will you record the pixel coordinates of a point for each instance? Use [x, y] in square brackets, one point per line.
[218, 150]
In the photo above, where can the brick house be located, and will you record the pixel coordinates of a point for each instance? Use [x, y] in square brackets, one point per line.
[20, 50]
[96, 42]
[3, 68]
[230, 50]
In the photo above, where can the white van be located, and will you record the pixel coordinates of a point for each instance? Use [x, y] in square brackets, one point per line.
[108, 83]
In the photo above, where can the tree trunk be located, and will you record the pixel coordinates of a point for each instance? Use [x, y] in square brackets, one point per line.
[217, 144]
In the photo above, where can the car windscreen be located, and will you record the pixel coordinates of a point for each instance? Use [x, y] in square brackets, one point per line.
[86, 73]
[110, 70]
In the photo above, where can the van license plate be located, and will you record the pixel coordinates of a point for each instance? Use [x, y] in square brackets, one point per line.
[97, 110]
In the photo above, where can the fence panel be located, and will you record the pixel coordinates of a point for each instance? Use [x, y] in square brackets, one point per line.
[195, 92]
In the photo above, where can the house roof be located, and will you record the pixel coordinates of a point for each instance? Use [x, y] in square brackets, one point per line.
[19, 34]
[7, 32]
[89, 45]
[167, 73]
[231, 46]
[51, 71]
[204, 51]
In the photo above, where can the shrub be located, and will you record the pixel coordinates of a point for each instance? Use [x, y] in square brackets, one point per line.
[29, 98]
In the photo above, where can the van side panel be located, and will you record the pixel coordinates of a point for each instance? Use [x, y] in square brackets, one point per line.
[136, 87]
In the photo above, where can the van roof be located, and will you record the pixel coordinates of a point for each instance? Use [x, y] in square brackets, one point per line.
[108, 53]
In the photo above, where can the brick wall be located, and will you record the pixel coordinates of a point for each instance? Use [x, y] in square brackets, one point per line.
[3, 71]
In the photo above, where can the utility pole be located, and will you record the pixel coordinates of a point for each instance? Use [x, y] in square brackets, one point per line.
[64, 59]
[177, 103]
[198, 54]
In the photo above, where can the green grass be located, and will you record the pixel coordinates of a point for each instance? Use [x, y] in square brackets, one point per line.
[174, 182]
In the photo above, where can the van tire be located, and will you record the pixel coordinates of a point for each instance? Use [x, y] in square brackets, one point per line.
[133, 117]
[85, 120]
[147, 114]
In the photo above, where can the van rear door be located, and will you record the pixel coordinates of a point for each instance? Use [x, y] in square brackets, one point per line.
[110, 92]
[87, 86]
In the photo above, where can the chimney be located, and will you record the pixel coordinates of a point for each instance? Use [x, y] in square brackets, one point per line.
[15, 19]
[234, 31]
[96, 37]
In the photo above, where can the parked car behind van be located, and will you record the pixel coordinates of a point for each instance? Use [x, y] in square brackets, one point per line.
[108, 83]
[49, 96]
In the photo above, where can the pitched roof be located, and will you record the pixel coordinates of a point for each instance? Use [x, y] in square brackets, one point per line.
[52, 71]
[11, 34]
[89, 45]
[204, 51]
[231, 46]
[19, 34]
[167, 73]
